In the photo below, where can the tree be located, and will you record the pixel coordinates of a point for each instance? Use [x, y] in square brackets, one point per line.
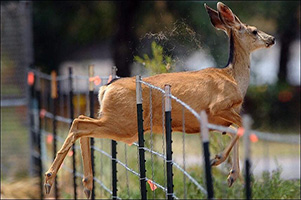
[125, 41]
[288, 29]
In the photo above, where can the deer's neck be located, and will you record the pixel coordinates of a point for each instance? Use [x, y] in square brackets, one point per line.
[239, 63]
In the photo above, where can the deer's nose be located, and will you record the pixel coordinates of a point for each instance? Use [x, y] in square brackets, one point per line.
[273, 40]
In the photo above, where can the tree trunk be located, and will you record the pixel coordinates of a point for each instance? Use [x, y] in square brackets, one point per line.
[288, 28]
[285, 39]
[124, 42]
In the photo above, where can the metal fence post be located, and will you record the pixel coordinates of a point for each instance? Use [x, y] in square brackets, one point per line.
[114, 155]
[73, 146]
[141, 138]
[39, 135]
[247, 121]
[32, 107]
[54, 96]
[168, 142]
[91, 99]
[35, 133]
[205, 139]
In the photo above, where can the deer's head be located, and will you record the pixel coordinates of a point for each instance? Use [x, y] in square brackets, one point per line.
[249, 36]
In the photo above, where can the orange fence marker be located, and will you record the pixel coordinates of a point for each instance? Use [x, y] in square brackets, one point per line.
[253, 138]
[110, 79]
[61, 166]
[42, 113]
[70, 153]
[96, 80]
[151, 185]
[240, 131]
[30, 78]
[49, 138]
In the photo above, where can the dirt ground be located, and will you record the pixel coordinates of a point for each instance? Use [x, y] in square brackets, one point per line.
[25, 188]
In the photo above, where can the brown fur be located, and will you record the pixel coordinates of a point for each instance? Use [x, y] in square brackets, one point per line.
[210, 85]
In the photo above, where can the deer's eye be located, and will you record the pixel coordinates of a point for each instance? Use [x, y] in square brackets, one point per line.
[254, 32]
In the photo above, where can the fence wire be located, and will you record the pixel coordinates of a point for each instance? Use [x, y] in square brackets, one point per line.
[45, 113]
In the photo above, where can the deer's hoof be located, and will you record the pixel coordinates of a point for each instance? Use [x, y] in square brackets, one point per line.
[232, 177]
[216, 161]
[47, 188]
[87, 193]
[230, 181]
[212, 162]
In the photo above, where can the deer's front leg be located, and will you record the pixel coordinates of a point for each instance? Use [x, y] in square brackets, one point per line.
[88, 174]
[232, 117]
[220, 158]
[235, 170]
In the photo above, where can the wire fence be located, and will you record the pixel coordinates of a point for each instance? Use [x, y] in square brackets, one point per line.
[55, 102]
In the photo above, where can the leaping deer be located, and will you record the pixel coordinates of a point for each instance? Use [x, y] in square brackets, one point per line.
[220, 92]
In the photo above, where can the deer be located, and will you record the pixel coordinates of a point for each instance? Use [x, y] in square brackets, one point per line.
[218, 91]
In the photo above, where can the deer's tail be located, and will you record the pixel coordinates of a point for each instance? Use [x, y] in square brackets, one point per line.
[101, 93]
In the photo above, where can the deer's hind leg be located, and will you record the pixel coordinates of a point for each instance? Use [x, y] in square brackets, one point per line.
[87, 165]
[235, 170]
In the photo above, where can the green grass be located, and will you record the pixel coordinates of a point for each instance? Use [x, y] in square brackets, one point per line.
[271, 186]
[14, 143]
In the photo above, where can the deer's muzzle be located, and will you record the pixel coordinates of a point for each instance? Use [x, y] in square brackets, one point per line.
[270, 42]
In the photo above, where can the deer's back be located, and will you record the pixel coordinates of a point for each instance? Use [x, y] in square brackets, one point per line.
[199, 89]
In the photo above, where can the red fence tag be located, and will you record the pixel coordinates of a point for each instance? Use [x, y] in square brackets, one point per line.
[42, 113]
[253, 138]
[96, 80]
[30, 78]
[240, 131]
[152, 185]
[110, 79]
[49, 138]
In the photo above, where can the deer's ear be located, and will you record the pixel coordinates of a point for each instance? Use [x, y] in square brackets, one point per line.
[214, 18]
[227, 17]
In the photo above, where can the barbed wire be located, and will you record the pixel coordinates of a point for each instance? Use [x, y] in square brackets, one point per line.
[129, 169]
[65, 77]
[57, 117]
[57, 137]
[176, 165]
[274, 137]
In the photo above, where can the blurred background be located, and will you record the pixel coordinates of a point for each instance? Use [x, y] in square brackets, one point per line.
[52, 35]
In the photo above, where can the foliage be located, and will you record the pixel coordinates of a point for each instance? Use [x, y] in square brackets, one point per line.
[59, 28]
[268, 186]
[275, 107]
[159, 63]
[271, 186]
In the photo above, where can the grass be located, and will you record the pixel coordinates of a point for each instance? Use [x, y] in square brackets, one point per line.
[269, 186]
[14, 143]
[266, 186]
